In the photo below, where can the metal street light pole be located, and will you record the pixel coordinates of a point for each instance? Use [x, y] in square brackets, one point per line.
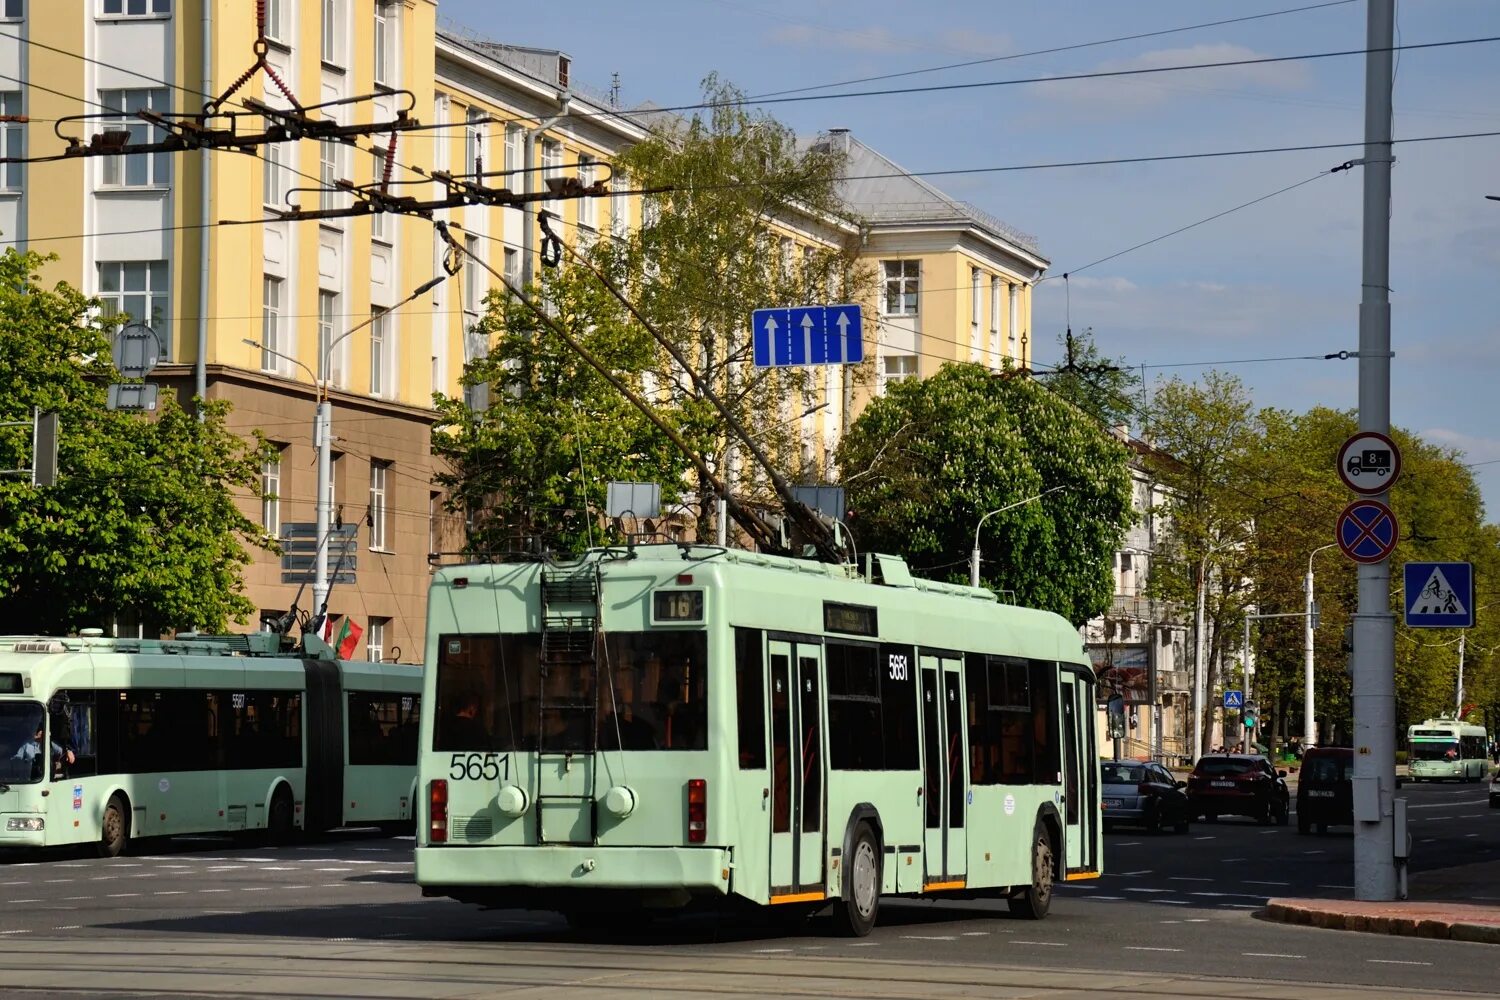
[974, 554]
[323, 440]
[1309, 725]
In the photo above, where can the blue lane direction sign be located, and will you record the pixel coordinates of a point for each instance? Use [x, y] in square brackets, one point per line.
[807, 335]
[1234, 699]
[1367, 531]
[1439, 594]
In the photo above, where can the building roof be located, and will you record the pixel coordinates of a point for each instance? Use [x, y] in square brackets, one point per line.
[885, 193]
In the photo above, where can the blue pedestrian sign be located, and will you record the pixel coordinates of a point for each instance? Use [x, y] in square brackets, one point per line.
[1439, 594]
[807, 335]
[1234, 699]
[1367, 531]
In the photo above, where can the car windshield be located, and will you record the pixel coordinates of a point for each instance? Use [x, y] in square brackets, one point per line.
[22, 760]
[1224, 765]
[1434, 751]
[1124, 774]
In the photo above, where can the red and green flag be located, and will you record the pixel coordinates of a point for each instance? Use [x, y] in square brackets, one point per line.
[346, 639]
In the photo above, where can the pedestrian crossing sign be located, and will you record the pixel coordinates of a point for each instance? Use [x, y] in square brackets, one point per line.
[1439, 595]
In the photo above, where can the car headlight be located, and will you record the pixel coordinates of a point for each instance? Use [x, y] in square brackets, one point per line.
[25, 824]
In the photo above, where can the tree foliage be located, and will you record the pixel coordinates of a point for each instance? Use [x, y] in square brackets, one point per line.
[142, 522]
[536, 463]
[926, 461]
[1099, 386]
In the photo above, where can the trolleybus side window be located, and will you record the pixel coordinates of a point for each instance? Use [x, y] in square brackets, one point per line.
[382, 728]
[750, 696]
[898, 706]
[487, 688]
[781, 735]
[80, 718]
[1012, 730]
[658, 699]
[812, 767]
[261, 729]
[854, 717]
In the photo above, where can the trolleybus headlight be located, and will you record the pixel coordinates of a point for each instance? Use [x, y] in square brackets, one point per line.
[25, 824]
[437, 813]
[697, 811]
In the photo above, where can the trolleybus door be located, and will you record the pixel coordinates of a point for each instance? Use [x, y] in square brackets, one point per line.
[1080, 774]
[797, 766]
[945, 773]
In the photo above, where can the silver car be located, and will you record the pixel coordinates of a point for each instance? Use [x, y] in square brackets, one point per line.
[1143, 794]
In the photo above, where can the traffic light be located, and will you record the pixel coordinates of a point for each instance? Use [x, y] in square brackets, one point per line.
[1252, 712]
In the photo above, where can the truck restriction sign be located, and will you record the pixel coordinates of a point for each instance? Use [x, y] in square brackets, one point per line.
[1369, 463]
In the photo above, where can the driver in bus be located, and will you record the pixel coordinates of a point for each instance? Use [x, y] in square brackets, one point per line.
[32, 749]
[465, 729]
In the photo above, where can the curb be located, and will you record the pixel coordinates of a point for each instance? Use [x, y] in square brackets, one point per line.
[1457, 929]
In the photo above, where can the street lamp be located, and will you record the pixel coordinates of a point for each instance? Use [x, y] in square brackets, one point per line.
[974, 555]
[1309, 726]
[323, 438]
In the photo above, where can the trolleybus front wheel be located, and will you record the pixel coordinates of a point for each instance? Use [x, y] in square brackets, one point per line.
[855, 914]
[115, 833]
[1036, 899]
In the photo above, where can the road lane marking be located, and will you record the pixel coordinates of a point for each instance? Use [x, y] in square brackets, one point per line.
[1044, 944]
[52, 881]
[224, 868]
[1267, 833]
[171, 892]
[1206, 838]
[68, 927]
[1134, 889]
[1170, 902]
[1445, 805]
[758, 951]
[15, 932]
[122, 895]
[1395, 961]
[1251, 881]
[213, 890]
[25, 900]
[1226, 895]
[1143, 871]
[976, 934]
[1239, 906]
[1335, 886]
[1195, 920]
[331, 869]
[1142, 947]
[863, 944]
[1188, 878]
[1105, 897]
[928, 937]
[1269, 954]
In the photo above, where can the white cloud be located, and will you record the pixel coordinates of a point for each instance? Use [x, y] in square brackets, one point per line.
[1474, 448]
[1112, 284]
[1153, 89]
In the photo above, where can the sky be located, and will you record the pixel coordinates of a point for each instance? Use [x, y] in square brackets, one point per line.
[1280, 278]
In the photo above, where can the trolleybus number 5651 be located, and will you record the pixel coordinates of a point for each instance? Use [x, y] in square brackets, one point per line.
[899, 669]
[475, 766]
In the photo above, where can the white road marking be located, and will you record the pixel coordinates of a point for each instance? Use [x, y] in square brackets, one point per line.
[66, 898]
[122, 895]
[1394, 961]
[928, 937]
[52, 881]
[1226, 895]
[71, 864]
[1133, 889]
[256, 888]
[1269, 954]
[1206, 838]
[1170, 902]
[1335, 887]
[1105, 897]
[1471, 835]
[15, 932]
[274, 868]
[1428, 840]
[1195, 920]
[1044, 944]
[1188, 878]
[1470, 815]
[171, 892]
[976, 934]
[1267, 833]
[25, 900]
[1436, 818]
[1445, 805]
[1141, 947]
[1251, 881]
[758, 951]
[1143, 871]
[332, 869]
[213, 890]
[863, 944]
[388, 871]
[68, 927]
[1240, 906]
[224, 868]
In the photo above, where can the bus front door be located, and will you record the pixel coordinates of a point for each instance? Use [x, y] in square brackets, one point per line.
[797, 820]
[1080, 776]
[945, 773]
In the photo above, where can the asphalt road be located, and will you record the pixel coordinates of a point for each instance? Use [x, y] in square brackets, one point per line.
[341, 917]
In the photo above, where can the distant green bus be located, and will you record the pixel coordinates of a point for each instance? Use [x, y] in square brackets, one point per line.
[1441, 749]
[662, 725]
[107, 740]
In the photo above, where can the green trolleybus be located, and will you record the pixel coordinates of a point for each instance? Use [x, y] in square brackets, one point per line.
[661, 725]
[1446, 748]
[103, 740]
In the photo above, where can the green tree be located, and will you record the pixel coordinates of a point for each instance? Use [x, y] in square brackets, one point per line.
[706, 255]
[926, 461]
[1097, 385]
[142, 523]
[535, 464]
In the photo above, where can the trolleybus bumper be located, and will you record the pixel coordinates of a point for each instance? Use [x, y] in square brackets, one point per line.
[552, 876]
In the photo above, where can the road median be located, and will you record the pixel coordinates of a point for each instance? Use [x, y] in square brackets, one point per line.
[1428, 919]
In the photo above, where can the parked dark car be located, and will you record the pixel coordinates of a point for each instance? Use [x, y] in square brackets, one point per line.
[1143, 794]
[1238, 784]
[1325, 791]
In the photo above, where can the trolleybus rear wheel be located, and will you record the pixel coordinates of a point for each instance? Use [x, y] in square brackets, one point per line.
[115, 833]
[855, 914]
[1036, 899]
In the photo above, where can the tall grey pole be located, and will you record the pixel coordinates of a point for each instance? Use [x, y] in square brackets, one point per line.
[323, 441]
[1245, 670]
[1459, 704]
[1200, 676]
[1309, 692]
[1374, 627]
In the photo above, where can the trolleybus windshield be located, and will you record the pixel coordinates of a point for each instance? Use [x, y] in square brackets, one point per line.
[22, 755]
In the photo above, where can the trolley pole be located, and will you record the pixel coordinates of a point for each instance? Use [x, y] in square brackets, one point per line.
[1374, 626]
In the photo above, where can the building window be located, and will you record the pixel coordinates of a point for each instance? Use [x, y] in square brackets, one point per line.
[513, 145]
[277, 21]
[552, 158]
[328, 174]
[14, 10]
[12, 134]
[588, 208]
[995, 316]
[900, 366]
[1014, 291]
[433, 499]
[976, 311]
[379, 483]
[375, 639]
[380, 222]
[138, 289]
[270, 325]
[273, 174]
[512, 269]
[474, 143]
[139, 169]
[619, 205]
[329, 370]
[381, 376]
[901, 283]
[385, 43]
[332, 28]
[473, 280]
[270, 495]
[135, 8]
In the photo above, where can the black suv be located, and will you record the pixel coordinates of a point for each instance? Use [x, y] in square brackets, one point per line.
[1239, 784]
[1325, 793]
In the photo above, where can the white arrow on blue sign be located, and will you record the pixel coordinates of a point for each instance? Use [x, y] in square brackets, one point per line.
[807, 335]
[1439, 594]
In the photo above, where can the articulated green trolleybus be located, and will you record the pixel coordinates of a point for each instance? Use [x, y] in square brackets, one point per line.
[201, 734]
[667, 724]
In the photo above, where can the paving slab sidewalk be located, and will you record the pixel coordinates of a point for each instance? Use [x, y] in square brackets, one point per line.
[1444, 907]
